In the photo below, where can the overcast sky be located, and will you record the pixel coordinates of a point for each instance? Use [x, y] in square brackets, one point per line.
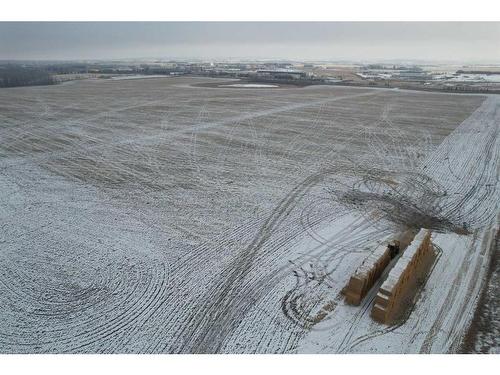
[461, 42]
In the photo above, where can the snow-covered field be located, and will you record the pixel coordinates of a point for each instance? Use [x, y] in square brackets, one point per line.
[468, 77]
[152, 216]
[137, 76]
[250, 85]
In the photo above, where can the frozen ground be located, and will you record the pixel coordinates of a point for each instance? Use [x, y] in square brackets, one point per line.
[152, 216]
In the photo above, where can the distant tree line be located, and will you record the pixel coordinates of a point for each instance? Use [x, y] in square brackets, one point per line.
[67, 68]
[17, 75]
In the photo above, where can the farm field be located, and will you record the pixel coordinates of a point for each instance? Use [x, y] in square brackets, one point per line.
[159, 216]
